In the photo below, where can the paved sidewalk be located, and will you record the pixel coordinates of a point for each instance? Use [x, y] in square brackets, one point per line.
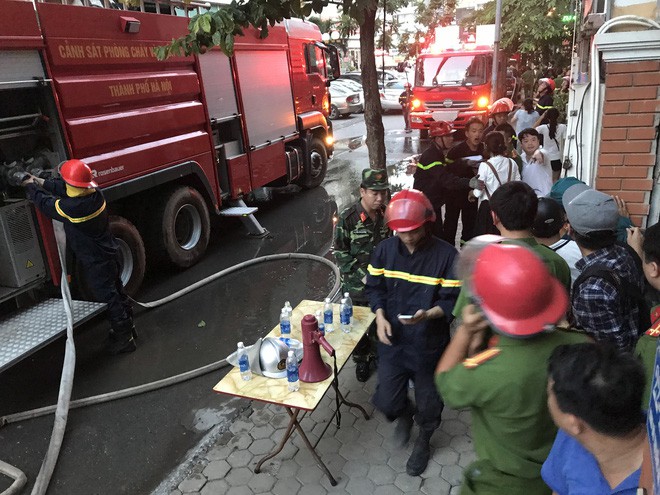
[360, 455]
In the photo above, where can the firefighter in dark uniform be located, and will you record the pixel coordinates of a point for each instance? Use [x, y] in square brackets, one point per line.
[545, 100]
[359, 229]
[412, 290]
[432, 176]
[76, 201]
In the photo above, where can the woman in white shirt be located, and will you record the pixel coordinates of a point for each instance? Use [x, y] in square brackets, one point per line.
[525, 117]
[554, 135]
[495, 171]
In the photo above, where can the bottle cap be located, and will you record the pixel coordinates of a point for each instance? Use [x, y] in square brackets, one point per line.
[240, 344]
[327, 299]
[346, 294]
[290, 353]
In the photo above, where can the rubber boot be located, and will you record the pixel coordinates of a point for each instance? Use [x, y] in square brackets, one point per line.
[362, 370]
[419, 458]
[402, 430]
[121, 338]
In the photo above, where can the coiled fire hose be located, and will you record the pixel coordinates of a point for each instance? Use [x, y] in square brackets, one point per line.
[66, 384]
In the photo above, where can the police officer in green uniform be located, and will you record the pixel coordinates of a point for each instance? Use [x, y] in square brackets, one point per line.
[359, 228]
[505, 385]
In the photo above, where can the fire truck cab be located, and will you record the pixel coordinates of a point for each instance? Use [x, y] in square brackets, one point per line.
[454, 85]
[169, 142]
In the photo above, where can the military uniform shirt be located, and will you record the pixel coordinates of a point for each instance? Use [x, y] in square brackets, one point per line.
[354, 243]
[646, 349]
[511, 425]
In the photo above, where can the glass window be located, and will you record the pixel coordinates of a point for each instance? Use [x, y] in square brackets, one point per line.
[315, 60]
[459, 70]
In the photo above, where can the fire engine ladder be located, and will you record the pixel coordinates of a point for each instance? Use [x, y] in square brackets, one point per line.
[31, 329]
[246, 213]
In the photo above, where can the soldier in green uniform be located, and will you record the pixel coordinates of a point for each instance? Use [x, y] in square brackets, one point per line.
[505, 385]
[359, 228]
[647, 245]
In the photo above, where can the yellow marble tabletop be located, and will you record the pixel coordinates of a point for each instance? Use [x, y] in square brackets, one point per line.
[275, 390]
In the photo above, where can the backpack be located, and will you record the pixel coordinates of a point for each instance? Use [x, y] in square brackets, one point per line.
[630, 296]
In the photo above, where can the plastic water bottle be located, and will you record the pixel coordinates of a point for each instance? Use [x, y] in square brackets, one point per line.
[244, 363]
[345, 316]
[319, 319]
[327, 316]
[289, 309]
[349, 303]
[292, 372]
[285, 323]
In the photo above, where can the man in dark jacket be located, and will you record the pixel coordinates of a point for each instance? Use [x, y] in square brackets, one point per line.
[76, 201]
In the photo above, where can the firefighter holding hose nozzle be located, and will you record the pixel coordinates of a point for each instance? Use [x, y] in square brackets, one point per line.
[76, 201]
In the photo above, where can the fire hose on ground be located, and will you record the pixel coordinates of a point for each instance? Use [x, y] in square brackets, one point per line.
[66, 384]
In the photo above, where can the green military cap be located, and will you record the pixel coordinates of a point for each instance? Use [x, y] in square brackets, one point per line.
[375, 179]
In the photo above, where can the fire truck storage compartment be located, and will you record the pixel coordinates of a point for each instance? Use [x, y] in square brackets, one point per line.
[28, 117]
[21, 262]
[265, 87]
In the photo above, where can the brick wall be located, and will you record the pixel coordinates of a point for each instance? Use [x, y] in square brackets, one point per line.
[627, 149]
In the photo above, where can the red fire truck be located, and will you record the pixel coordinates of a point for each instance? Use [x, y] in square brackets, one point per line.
[454, 85]
[170, 142]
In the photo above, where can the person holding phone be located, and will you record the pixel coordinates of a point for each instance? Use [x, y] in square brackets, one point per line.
[412, 290]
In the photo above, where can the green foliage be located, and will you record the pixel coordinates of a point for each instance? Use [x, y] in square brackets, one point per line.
[219, 27]
[528, 26]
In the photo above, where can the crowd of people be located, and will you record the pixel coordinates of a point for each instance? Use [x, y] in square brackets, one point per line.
[557, 310]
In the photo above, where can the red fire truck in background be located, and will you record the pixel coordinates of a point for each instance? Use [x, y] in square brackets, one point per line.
[169, 142]
[454, 84]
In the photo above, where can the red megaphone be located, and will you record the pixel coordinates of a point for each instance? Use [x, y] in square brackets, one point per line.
[313, 369]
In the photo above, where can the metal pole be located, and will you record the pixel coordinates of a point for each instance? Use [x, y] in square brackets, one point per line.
[382, 58]
[496, 50]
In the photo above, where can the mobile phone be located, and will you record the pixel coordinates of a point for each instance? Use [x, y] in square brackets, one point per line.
[405, 317]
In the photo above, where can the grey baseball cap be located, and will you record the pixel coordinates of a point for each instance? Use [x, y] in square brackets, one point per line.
[572, 192]
[590, 210]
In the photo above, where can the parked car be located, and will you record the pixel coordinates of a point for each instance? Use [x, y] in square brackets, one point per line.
[389, 96]
[343, 101]
[353, 86]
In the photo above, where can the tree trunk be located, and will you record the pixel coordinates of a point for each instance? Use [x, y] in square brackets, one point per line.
[372, 109]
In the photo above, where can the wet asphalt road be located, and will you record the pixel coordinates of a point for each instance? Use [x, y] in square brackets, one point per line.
[129, 446]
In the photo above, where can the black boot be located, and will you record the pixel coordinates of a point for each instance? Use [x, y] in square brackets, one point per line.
[121, 338]
[402, 430]
[419, 458]
[362, 370]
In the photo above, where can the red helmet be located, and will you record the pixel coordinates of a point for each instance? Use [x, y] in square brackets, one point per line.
[503, 105]
[549, 82]
[516, 291]
[440, 128]
[77, 173]
[408, 210]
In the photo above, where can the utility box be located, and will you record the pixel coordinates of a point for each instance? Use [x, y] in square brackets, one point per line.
[21, 261]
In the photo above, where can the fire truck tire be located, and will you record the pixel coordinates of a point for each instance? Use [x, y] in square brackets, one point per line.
[316, 166]
[185, 227]
[131, 253]
[132, 259]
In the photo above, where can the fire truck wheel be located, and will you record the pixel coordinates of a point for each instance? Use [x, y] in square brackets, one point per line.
[131, 259]
[316, 166]
[131, 253]
[334, 112]
[185, 227]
